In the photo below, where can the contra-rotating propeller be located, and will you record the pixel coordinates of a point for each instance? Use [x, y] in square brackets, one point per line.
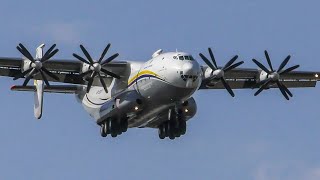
[95, 68]
[36, 65]
[218, 72]
[274, 76]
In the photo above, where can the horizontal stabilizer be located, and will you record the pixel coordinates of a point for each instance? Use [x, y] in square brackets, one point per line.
[64, 89]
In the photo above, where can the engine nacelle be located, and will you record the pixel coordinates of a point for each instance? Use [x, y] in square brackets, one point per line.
[188, 108]
[208, 73]
[263, 76]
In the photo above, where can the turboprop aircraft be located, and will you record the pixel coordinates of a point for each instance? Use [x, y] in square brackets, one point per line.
[151, 94]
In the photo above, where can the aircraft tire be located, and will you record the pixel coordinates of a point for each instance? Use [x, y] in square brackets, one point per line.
[161, 131]
[113, 134]
[102, 132]
[114, 128]
[171, 131]
[166, 129]
[183, 127]
[124, 125]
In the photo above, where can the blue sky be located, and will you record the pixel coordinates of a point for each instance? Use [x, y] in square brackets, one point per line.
[247, 137]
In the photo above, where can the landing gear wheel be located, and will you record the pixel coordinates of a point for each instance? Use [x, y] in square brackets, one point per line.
[166, 129]
[161, 132]
[183, 127]
[106, 127]
[102, 131]
[171, 131]
[113, 134]
[118, 127]
[113, 128]
[124, 125]
[171, 136]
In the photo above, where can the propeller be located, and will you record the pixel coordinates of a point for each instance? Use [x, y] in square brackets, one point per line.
[217, 72]
[36, 65]
[273, 77]
[96, 67]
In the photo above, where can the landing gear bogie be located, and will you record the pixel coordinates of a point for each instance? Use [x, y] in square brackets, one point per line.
[172, 130]
[114, 127]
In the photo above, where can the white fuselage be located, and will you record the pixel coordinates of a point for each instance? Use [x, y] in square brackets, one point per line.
[163, 81]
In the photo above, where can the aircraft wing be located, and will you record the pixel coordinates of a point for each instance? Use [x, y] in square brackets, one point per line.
[68, 71]
[243, 78]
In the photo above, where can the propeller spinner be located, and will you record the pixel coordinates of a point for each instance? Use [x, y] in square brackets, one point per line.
[217, 72]
[95, 68]
[274, 76]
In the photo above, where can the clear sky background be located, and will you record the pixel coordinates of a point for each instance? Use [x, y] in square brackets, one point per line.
[241, 138]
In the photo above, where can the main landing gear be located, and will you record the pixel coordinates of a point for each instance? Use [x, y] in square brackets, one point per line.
[173, 128]
[114, 127]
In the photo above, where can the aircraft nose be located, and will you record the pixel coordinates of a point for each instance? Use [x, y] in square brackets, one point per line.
[189, 68]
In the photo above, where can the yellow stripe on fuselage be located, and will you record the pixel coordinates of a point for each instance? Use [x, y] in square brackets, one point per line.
[141, 73]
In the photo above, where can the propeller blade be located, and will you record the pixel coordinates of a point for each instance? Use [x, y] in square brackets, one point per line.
[50, 55]
[110, 73]
[110, 59]
[29, 77]
[103, 83]
[91, 81]
[207, 61]
[230, 62]
[21, 75]
[104, 53]
[44, 78]
[50, 74]
[290, 69]
[233, 66]
[268, 60]
[282, 90]
[287, 90]
[85, 52]
[261, 66]
[44, 57]
[85, 73]
[264, 86]
[25, 52]
[259, 84]
[284, 63]
[212, 58]
[226, 85]
[80, 58]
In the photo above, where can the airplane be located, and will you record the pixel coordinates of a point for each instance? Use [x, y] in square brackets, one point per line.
[144, 94]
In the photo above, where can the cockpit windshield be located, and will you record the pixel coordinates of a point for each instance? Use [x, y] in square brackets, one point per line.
[190, 58]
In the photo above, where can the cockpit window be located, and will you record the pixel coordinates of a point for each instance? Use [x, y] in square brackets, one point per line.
[186, 58]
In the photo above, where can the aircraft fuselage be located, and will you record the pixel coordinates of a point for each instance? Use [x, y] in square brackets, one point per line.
[164, 82]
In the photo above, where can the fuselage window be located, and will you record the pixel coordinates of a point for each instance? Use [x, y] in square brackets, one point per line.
[191, 58]
[181, 57]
